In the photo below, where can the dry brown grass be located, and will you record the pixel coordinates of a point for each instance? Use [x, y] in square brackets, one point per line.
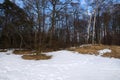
[47, 50]
[115, 52]
[21, 52]
[94, 50]
[36, 57]
[31, 55]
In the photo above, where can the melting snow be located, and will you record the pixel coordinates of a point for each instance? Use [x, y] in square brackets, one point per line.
[65, 65]
[101, 52]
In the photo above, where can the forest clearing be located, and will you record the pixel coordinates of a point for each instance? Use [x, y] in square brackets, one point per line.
[59, 39]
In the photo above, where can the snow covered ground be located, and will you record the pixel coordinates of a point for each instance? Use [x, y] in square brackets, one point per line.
[64, 65]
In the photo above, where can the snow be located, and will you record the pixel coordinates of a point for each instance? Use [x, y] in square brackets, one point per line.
[101, 52]
[64, 65]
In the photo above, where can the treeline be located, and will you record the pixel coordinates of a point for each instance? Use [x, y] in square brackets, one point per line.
[55, 24]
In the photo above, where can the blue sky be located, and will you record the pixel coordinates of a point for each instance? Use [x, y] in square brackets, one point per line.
[83, 2]
[1, 1]
[16, 1]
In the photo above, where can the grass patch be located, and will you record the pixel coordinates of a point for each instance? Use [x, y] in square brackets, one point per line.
[31, 55]
[93, 49]
[22, 52]
[36, 57]
[115, 52]
[47, 50]
[90, 49]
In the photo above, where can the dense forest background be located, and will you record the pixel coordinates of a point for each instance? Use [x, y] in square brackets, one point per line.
[55, 24]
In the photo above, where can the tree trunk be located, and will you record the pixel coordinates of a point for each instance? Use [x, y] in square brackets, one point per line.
[93, 34]
[88, 29]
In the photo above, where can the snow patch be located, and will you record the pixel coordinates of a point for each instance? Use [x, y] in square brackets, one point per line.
[101, 52]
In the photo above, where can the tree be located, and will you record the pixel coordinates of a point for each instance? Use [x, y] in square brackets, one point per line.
[15, 20]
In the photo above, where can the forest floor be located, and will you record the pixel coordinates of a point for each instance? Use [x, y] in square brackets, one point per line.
[96, 50]
[101, 50]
